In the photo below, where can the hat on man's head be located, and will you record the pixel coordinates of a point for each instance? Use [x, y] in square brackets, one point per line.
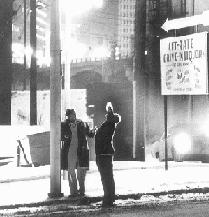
[70, 112]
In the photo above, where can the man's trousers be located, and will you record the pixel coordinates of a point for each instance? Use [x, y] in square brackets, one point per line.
[72, 178]
[105, 167]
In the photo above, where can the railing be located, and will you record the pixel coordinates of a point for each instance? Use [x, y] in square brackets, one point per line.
[83, 60]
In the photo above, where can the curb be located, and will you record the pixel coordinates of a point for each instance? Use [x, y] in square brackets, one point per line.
[88, 200]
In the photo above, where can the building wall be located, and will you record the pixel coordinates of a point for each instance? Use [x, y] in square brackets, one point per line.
[199, 6]
[126, 20]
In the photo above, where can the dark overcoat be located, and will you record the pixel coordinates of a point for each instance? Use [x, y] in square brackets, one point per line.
[83, 151]
[104, 136]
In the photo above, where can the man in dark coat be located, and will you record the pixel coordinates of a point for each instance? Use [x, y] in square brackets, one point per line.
[75, 152]
[104, 154]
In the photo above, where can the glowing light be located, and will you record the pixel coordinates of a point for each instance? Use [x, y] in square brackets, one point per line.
[18, 54]
[41, 59]
[18, 50]
[76, 49]
[100, 52]
[42, 13]
[78, 7]
[17, 47]
[41, 21]
[204, 125]
[91, 106]
[70, 46]
[28, 51]
[40, 37]
[182, 143]
[15, 28]
[40, 29]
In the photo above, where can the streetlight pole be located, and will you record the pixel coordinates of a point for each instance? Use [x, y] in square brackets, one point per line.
[55, 102]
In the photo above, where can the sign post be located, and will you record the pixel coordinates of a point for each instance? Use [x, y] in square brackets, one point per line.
[184, 69]
[166, 130]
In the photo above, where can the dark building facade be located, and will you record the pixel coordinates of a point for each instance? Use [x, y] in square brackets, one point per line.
[180, 108]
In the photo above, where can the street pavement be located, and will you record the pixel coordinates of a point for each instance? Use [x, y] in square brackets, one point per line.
[143, 182]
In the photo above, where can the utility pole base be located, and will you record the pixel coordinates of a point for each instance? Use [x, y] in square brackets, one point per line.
[55, 195]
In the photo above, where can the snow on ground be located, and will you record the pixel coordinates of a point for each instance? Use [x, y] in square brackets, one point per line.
[130, 178]
[137, 183]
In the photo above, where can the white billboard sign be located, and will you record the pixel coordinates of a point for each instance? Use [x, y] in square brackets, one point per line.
[184, 66]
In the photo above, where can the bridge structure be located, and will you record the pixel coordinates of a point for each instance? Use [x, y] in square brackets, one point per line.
[108, 80]
[105, 67]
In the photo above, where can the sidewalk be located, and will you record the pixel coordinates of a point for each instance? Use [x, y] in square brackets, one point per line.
[31, 185]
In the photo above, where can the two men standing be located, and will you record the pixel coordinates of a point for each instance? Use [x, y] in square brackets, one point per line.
[75, 155]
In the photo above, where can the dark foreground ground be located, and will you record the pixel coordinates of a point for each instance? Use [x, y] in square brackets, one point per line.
[182, 205]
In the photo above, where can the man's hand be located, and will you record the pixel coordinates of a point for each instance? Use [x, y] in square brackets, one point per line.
[109, 107]
[109, 110]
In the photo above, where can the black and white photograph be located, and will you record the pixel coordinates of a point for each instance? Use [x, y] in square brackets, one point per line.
[104, 108]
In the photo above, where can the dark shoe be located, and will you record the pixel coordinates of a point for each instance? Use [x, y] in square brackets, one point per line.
[108, 205]
[73, 195]
[81, 192]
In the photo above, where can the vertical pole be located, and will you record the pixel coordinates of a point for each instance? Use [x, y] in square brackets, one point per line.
[67, 80]
[191, 97]
[33, 69]
[55, 102]
[139, 78]
[5, 61]
[193, 7]
[24, 75]
[134, 119]
[169, 12]
[166, 136]
[67, 74]
[67, 61]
